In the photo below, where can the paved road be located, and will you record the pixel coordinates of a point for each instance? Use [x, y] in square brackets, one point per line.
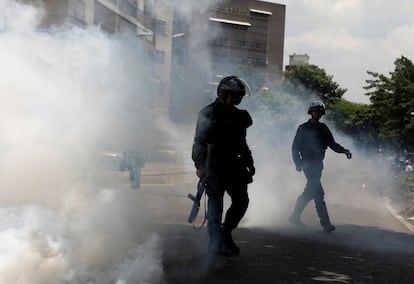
[369, 246]
[285, 256]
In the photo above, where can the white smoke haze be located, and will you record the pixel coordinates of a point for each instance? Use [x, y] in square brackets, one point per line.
[352, 187]
[358, 183]
[68, 95]
[276, 183]
[16, 17]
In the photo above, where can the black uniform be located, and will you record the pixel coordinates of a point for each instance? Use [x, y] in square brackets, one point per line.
[221, 151]
[308, 151]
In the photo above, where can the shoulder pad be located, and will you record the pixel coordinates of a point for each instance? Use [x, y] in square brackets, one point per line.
[245, 118]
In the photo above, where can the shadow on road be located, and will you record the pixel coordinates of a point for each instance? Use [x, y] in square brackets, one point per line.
[375, 239]
[352, 254]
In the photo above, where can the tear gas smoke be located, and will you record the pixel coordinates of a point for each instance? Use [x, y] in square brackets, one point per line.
[277, 184]
[358, 184]
[68, 95]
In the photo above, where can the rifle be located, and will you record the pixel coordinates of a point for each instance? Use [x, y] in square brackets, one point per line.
[201, 187]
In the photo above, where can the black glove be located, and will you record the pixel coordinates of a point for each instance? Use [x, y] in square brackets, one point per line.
[252, 170]
[248, 173]
[348, 154]
[299, 168]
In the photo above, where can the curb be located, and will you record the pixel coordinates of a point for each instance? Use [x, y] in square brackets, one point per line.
[398, 216]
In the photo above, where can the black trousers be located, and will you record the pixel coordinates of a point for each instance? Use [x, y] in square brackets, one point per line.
[313, 190]
[216, 188]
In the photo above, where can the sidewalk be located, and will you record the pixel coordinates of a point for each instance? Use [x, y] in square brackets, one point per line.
[407, 223]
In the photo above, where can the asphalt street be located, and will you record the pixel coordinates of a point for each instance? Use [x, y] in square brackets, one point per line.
[284, 256]
[369, 246]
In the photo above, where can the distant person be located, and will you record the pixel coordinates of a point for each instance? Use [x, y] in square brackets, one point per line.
[134, 161]
[308, 151]
[224, 162]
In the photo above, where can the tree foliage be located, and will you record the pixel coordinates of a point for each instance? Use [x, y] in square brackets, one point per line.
[356, 120]
[305, 79]
[392, 101]
[387, 121]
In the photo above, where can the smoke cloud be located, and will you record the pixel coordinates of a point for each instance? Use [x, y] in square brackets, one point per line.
[69, 94]
[358, 184]
[354, 189]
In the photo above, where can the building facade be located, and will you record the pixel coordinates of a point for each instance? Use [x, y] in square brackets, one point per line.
[213, 40]
[145, 20]
[247, 32]
[217, 41]
[298, 59]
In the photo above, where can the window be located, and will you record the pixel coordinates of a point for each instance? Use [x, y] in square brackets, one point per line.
[223, 41]
[258, 30]
[229, 26]
[126, 28]
[260, 14]
[104, 17]
[259, 45]
[161, 27]
[230, 10]
[129, 7]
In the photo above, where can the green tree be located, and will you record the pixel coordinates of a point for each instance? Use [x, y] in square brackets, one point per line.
[307, 80]
[392, 101]
[357, 121]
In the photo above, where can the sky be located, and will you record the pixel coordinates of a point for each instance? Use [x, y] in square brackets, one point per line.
[349, 37]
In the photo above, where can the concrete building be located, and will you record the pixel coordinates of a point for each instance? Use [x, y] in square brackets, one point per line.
[216, 42]
[126, 17]
[145, 20]
[298, 59]
[213, 42]
[247, 32]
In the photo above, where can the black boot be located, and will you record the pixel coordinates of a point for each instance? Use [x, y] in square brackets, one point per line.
[296, 221]
[217, 244]
[300, 205]
[328, 228]
[230, 244]
[324, 216]
[216, 247]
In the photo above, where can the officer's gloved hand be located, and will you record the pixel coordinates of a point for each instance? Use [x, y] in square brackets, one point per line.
[348, 154]
[252, 170]
[199, 173]
[299, 168]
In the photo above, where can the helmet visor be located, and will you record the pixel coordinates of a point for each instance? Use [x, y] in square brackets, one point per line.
[247, 91]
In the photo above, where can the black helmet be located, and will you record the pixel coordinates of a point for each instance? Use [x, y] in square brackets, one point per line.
[317, 105]
[232, 85]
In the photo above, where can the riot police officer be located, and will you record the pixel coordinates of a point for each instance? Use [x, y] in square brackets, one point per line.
[224, 161]
[308, 151]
